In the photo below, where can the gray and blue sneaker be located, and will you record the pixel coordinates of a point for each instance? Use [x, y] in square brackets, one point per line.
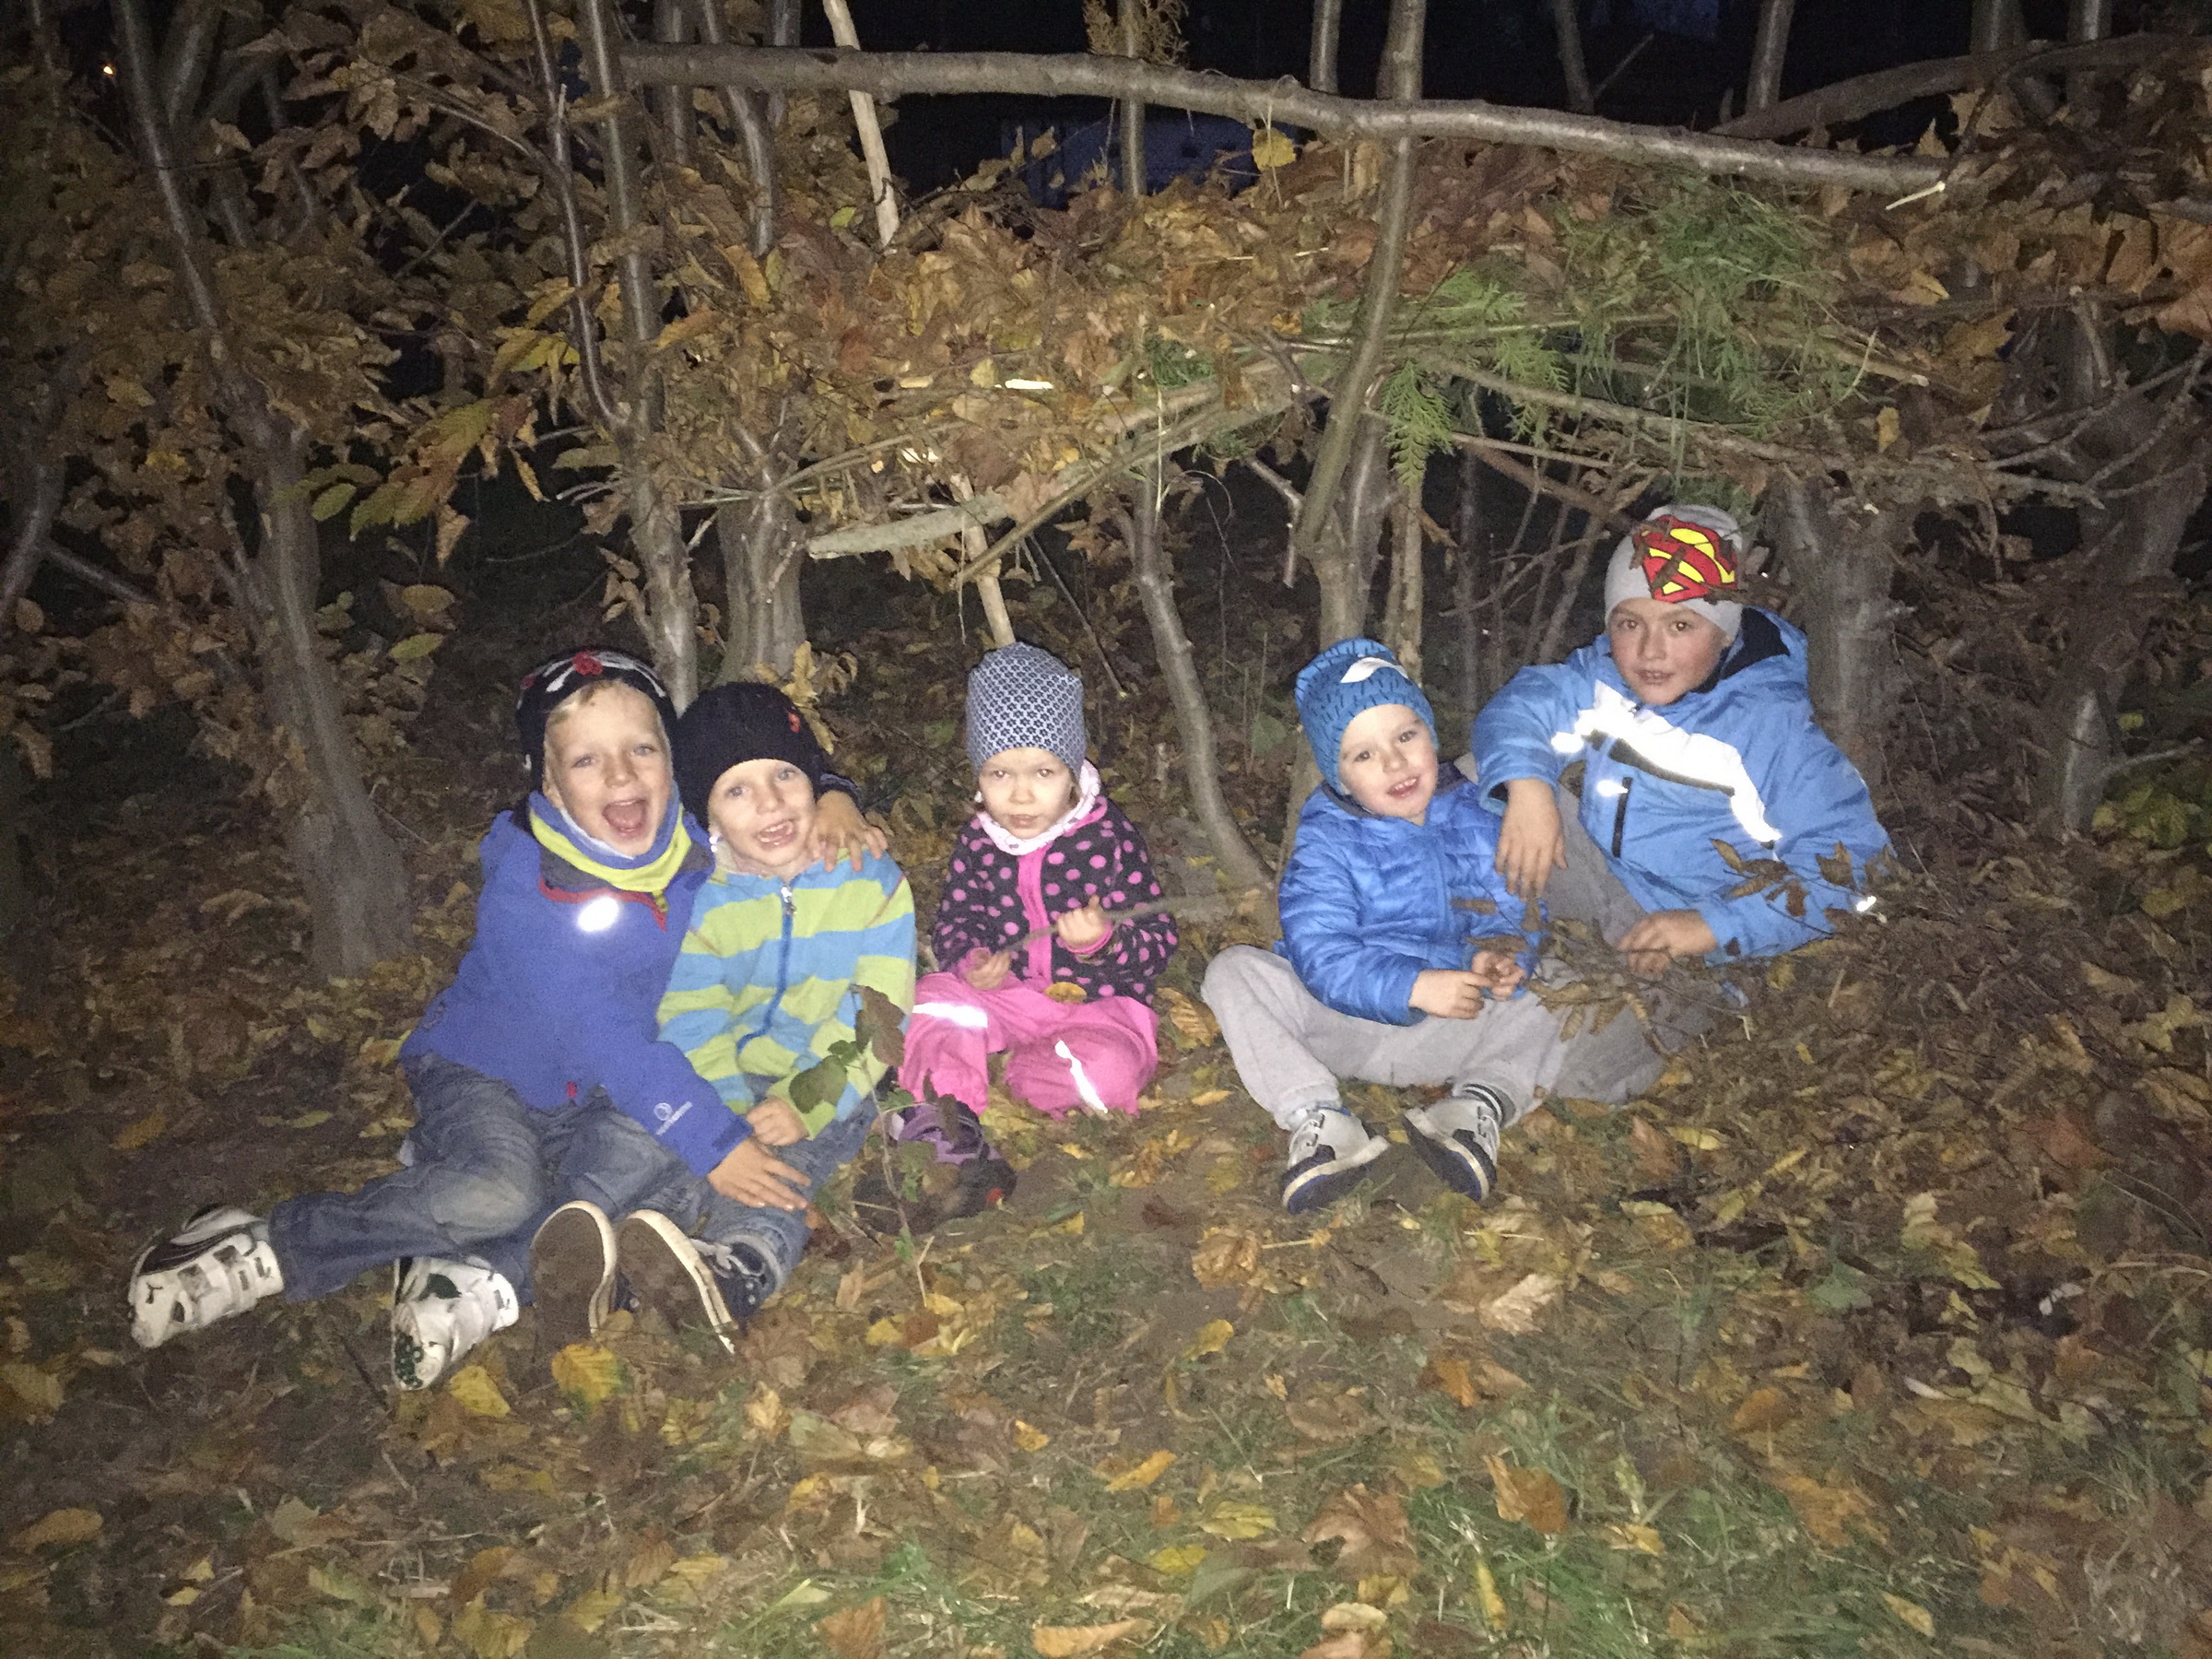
[1330, 1150]
[1457, 1137]
[692, 1283]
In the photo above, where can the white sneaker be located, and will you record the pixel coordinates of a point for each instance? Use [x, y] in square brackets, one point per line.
[220, 1265]
[1457, 1137]
[1329, 1150]
[440, 1310]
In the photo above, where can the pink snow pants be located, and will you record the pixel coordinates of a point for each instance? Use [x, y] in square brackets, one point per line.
[1097, 1056]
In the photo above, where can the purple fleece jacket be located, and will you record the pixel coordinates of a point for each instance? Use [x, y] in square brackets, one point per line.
[992, 899]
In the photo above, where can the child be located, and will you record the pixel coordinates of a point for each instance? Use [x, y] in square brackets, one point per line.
[769, 983]
[537, 1074]
[1694, 729]
[1397, 936]
[1029, 903]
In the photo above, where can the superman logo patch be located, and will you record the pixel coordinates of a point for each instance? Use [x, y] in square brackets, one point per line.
[1681, 560]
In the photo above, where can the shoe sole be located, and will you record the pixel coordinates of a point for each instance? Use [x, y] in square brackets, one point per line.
[1325, 1184]
[667, 1274]
[571, 1275]
[1449, 1167]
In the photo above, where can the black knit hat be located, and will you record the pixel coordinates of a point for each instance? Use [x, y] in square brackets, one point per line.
[558, 679]
[731, 724]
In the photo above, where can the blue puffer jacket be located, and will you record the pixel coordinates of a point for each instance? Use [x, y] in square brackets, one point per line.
[560, 992]
[1369, 902]
[1740, 761]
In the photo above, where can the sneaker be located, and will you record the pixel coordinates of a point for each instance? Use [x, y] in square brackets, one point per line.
[220, 1265]
[692, 1284]
[440, 1310]
[1457, 1137]
[1329, 1148]
[943, 1125]
[571, 1275]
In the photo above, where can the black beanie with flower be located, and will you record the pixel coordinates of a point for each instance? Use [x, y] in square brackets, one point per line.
[734, 724]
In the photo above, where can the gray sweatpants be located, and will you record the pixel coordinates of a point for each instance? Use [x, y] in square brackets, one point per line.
[1291, 1049]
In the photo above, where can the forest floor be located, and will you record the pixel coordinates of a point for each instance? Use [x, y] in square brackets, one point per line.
[1880, 1327]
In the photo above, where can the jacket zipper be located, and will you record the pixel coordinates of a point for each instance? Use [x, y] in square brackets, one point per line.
[1621, 814]
[783, 959]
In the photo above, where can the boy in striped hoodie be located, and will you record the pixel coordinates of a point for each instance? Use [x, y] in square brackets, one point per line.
[771, 985]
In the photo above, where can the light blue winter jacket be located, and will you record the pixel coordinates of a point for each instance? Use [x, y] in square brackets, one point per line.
[1367, 903]
[1739, 761]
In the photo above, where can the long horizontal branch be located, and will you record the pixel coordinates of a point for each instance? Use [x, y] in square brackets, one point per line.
[1283, 102]
[1867, 94]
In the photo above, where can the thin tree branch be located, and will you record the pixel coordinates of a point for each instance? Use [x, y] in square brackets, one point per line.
[748, 121]
[893, 74]
[559, 175]
[618, 169]
[1496, 456]
[1321, 58]
[871, 130]
[1568, 27]
[1769, 48]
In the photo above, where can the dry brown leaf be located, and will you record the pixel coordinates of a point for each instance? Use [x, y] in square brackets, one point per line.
[57, 1526]
[1530, 1495]
[853, 1632]
[1448, 1375]
[1350, 1644]
[1067, 1641]
[1763, 1411]
[1658, 1158]
[1226, 1256]
[1331, 1419]
[1828, 1512]
[1373, 1529]
[1520, 1310]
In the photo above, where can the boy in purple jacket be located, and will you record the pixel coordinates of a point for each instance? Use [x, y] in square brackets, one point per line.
[545, 1099]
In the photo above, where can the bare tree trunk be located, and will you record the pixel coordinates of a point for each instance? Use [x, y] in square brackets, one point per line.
[762, 547]
[350, 871]
[1568, 26]
[1839, 557]
[750, 120]
[670, 619]
[1233, 856]
[1132, 110]
[1990, 29]
[1321, 59]
[1769, 48]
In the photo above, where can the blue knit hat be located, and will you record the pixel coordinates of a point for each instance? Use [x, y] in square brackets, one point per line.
[1341, 684]
[1019, 697]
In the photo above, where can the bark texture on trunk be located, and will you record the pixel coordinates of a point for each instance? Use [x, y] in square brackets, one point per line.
[1839, 552]
[1321, 55]
[1568, 26]
[762, 547]
[1770, 46]
[1233, 856]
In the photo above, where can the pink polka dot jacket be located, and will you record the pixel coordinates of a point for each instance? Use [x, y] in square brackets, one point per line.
[992, 899]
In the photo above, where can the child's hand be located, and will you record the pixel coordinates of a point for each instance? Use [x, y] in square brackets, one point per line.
[1531, 844]
[1498, 971]
[1084, 930]
[752, 1174]
[987, 972]
[1449, 993]
[1662, 936]
[840, 832]
[776, 1124]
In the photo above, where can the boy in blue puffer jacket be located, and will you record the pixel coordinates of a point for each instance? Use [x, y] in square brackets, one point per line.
[544, 1098]
[1403, 952]
[1695, 731]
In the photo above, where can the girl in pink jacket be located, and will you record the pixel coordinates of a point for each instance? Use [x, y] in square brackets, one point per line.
[1028, 905]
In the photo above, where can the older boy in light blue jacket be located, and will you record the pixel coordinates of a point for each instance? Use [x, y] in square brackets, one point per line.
[1403, 953]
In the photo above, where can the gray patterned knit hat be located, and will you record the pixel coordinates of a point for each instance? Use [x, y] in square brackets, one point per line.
[1019, 697]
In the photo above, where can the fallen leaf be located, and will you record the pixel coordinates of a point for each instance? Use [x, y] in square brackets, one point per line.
[1030, 1438]
[491, 1635]
[1633, 1535]
[1350, 1644]
[1519, 1310]
[1213, 1336]
[1763, 1411]
[1372, 1527]
[478, 1392]
[764, 1411]
[1226, 1256]
[586, 1373]
[1448, 1375]
[1487, 1596]
[853, 1632]
[1233, 1518]
[1177, 1560]
[1828, 1512]
[58, 1526]
[1143, 1475]
[1530, 1495]
[1658, 1158]
[1910, 1614]
[140, 1131]
[1066, 1641]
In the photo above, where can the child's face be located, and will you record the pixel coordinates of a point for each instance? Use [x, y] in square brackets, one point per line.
[607, 767]
[764, 812]
[1663, 650]
[1028, 790]
[1387, 762]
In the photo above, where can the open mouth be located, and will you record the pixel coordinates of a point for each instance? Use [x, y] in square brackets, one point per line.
[776, 838]
[626, 820]
[1407, 790]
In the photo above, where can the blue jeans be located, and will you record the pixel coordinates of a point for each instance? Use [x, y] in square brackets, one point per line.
[777, 1235]
[487, 1169]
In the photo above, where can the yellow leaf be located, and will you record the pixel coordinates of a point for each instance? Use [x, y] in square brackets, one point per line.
[478, 1392]
[1212, 1338]
[1634, 1535]
[1486, 1594]
[1030, 1438]
[1226, 1256]
[593, 1608]
[1144, 1475]
[491, 1635]
[586, 1373]
[1885, 430]
[1530, 1495]
[1065, 990]
[1270, 148]
[985, 373]
[58, 1526]
[1209, 1097]
[1910, 1614]
[140, 1131]
[1070, 1642]
[426, 602]
[1233, 1518]
[1696, 1140]
[764, 1411]
[416, 645]
[1178, 1560]
[40, 1391]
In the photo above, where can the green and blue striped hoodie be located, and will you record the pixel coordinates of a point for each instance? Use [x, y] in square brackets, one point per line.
[768, 978]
